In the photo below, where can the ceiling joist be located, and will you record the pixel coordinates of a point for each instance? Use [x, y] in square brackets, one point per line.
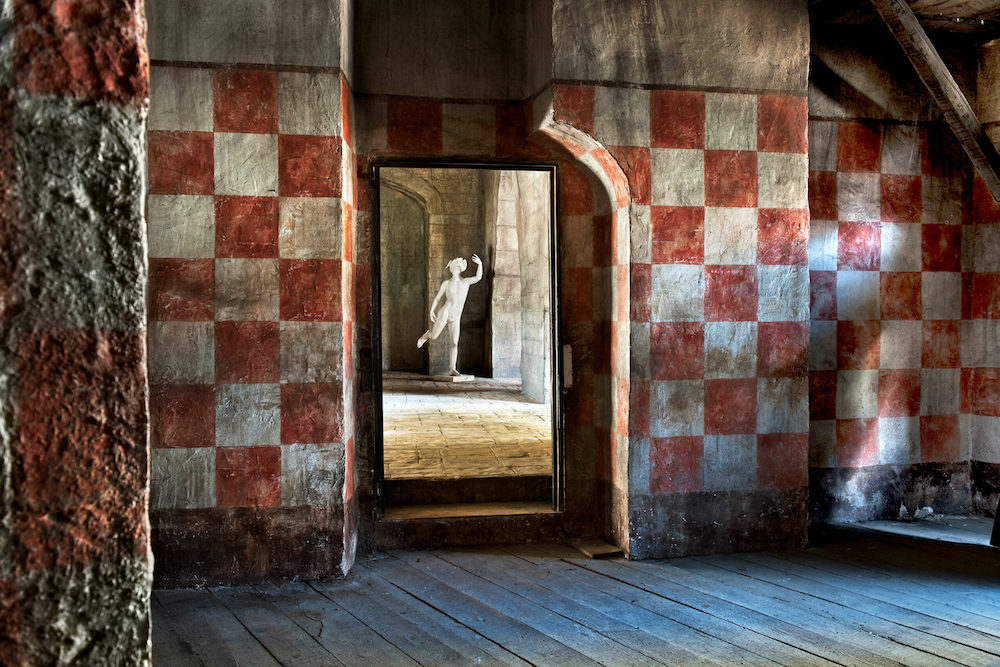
[955, 107]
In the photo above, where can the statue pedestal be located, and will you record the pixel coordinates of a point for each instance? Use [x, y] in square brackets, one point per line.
[453, 378]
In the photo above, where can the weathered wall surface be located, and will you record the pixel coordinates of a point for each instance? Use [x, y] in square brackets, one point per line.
[897, 319]
[75, 564]
[505, 298]
[403, 216]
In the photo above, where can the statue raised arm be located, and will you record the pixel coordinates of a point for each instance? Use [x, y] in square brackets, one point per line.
[452, 296]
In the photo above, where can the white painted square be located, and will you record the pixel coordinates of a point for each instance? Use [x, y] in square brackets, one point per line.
[823, 443]
[783, 293]
[247, 290]
[677, 407]
[181, 352]
[823, 245]
[309, 103]
[371, 122]
[469, 129]
[941, 295]
[901, 247]
[678, 293]
[730, 462]
[678, 176]
[730, 349]
[641, 234]
[940, 391]
[981, 437]
[730, 122]
[181, 226]
[782, 180]
[822, 145]
[312, 352]
[822, 346]
[857, 394]
[180, 98]
[247, 415]
[858, 295]
[312, 475]
[859, 196]
[639, 348]
[616, 121]
[901, 344]
[348, 173]
[899, 440]
[984, 241]
[638, 464]
[246, 164]
[901, 149]
[730, 235]
[782, 405]
[182, 478]
[980, 343]
[309, 227]
[941, 200]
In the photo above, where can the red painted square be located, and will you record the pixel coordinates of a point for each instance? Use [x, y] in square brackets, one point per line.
[246, 226]
[602, 236]
[675, 464]
[635, 162]
[310, 290]
[246, 101]
[941, 154]
[677, 350]
[981, 391]
[730, 178]
[730, 293]
[859, 147]
[611, 168]
[730, 406]
[182, 415]
[638, 414]
[980, 296]
[677, 119]
[782, 236]
[985, 209]
[899, 392]
[941, 247]
[823, 295]
[248, 476]
[640, 295]
[901, 198]
[857, 442]
[942, 344]
[512, 130]
[859, 246]
[782, 349]
[858, 345]
[181, 163]
[782, 123]
[822, 395]
[312, 412]
[678, 234]
[414, 126]
[580, 400]
[309, 166]
[246, 352]
[181, 289]
[940, 438]
[578, 302]
[575, 194]
[783, 460]
[601, 351]
[346, 111]
[900, 295]
[823, 195]
[574, 105]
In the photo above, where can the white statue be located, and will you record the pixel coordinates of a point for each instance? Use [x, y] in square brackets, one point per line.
[454, 290]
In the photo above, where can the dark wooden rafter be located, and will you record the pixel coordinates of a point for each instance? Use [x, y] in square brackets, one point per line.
[955, 107]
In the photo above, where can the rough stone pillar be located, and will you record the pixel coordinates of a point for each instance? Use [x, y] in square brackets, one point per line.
[988, 89]
[75, 563]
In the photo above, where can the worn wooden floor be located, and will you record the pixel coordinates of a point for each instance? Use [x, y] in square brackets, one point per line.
[858, 600]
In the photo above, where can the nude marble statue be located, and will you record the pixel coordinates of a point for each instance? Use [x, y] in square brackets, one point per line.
[451, 297]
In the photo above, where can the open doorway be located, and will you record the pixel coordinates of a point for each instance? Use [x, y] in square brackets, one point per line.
[467, 335]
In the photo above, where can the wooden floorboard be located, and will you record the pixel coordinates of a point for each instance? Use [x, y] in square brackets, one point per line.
[857, 600]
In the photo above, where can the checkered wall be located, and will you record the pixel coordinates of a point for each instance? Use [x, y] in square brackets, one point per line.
[897, 328]
[249, 224]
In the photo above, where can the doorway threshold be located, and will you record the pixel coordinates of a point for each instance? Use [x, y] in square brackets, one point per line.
[452, 510]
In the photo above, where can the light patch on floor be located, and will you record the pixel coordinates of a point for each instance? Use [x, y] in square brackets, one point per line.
[483, 428]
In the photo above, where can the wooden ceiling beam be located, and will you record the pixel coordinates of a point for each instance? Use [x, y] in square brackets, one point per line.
[955, 107]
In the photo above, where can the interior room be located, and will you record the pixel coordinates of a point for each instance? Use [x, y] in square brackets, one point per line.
[731, 345]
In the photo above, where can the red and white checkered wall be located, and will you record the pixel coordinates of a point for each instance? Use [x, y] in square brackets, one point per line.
[250, 237]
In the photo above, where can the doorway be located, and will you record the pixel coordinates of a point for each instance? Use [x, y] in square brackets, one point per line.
[469, 381]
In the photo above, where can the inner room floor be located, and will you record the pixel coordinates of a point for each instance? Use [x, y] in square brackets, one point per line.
[859, 598]
[480, 428]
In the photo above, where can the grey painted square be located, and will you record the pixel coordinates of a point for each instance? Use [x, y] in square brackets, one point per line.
[940, 391]
[980, 438]
[782, 405]
[901, 344]
[309, 227]
[618, 116]
[181, 226]
[639, 350]
[182, 478]
[859, 197]
[181, 352]
[676, 407]
[980, 343]
[941, 295]
[247, 415]
[898, 440]
[678, 293]
[901, 149]
[469, 129]
[941, 200]
[180, 98]
[857, 394]
[246, 164]
[782, 180]
[783, 293]
[900, 247]
[730, 235]
[246, 289]
[823, 245]
[312, 475]
[730, 121]
[730, 462]
[312, 351]
[638, 465]
[641, 234]
[822, 443]
[577, 241]
[678, 177]
[730, 349]
[822, 346]
[858, 295]
[309, 103]
[822, 145]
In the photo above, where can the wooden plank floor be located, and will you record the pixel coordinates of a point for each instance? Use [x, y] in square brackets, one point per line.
[860, 599]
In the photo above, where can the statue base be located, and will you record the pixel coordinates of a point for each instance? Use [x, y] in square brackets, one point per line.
[453, 378]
